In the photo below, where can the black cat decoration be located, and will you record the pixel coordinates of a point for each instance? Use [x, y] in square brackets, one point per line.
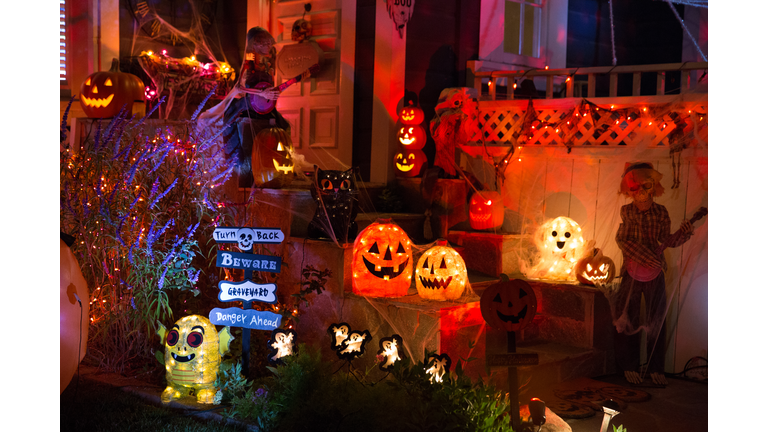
[335, 194]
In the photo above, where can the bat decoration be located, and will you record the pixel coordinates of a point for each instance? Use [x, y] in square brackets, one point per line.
[389, 351]
[281, 345]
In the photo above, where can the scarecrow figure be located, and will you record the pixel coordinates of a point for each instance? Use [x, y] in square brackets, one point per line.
[644, 226]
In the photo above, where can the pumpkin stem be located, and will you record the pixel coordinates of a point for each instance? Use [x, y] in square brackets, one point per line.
[115, 65]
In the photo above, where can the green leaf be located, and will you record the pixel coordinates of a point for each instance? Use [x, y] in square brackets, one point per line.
[160, 357]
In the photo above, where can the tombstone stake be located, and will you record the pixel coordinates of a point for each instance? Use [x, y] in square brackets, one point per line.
[514, 392]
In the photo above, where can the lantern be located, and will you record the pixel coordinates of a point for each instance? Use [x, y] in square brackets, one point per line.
[411, 115]
[560, 244]
[382, 261]
[103, 94]
[193, 352]
[408, 163]
[595, 269]
[486, 210]
[441, 273]
[389, 351]
[412, 136]
[508, 305]
[73, 315]
[271, 155]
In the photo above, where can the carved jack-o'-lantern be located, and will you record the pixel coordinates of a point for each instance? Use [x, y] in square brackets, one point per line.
[441, 273]
[271, 154]
[193, 353]
[486, 210]
[408, 163]
[508, 305]
[411, 115]
[412, 136]
[103, 94]
[595, 269]
[382, 261]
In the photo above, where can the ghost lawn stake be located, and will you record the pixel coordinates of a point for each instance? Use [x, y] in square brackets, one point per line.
[509, 305]
[247, 291]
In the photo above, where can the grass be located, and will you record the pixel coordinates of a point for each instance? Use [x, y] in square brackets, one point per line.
[101, 407]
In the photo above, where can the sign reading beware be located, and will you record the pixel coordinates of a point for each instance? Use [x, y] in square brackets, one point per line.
[247, 318]
[247, 291]
[248, 261]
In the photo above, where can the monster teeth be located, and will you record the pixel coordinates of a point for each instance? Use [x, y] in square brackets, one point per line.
[435, 283]
[96, 102]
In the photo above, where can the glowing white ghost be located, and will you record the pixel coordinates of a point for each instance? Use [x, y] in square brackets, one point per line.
[339, 333]
[440, 364]
[281, 344]
[560, 244]
[354, 345]
[390, 351]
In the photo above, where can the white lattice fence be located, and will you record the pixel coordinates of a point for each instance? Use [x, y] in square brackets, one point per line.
[628, 125]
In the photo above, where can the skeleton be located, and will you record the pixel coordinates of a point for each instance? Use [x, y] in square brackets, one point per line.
[301, 30]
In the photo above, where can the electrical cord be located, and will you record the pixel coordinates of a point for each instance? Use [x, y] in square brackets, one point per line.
[79, 343]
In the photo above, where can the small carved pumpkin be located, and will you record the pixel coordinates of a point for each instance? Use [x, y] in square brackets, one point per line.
[411, 115]
[486, 210]
[412, 136]
[508, 305]
[409, 163]
[271, 154]
[441, 273]
[595, 269]
[103, 94]
[382, 261]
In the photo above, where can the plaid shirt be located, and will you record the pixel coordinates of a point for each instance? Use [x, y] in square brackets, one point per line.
[641, 232]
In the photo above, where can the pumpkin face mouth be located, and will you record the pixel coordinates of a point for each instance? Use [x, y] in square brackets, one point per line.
[513, 318]
[596, 275]
[405, 166]
[560, 244]
[285, 169]
[97, 102]
[480, 216]
[435, 283]
[407, 138]
[410, 117]
[385, 273]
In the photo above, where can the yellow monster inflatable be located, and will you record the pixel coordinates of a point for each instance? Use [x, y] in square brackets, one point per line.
[193, 353]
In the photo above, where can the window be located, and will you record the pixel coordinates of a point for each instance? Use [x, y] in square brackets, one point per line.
[62, 43]
[522, 27]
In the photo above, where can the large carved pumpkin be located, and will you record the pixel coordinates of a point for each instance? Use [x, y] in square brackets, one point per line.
[103, 94]
[412, 136]
[409, 163]
[411, 115]
[441, 273]
[595, 268]
[271, 154]
[382, 261]
[508, 305]
[486, 210]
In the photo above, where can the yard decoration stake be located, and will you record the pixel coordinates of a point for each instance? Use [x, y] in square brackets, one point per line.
[193, 353]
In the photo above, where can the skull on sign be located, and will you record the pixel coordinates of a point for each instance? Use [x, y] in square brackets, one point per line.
[245, 238]
[301, 30]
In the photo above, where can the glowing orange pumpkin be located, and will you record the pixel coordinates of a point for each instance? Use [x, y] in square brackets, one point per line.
[595, 268]
[411, 115]
[382, 261]
[271, 154]
[486, 210]
[408, 163]
[412, 136]
[103, 94]
[441, 273]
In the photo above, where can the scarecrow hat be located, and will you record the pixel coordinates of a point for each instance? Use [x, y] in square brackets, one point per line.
[637, 173]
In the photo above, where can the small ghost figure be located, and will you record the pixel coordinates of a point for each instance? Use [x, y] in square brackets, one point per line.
[390, 351]
[455, 111]
[245, 238]
[281, 344]
[400, 11]
[440, 364]
[560, 244]
[339, 333]
[354, 345]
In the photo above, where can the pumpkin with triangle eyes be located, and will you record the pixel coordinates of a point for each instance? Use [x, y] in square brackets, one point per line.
[271, 154]
[508, 305]
[382, 261]
[595, 268]
[411, 115]
[103, 94]
[409, 163]
[412, 136]
[441, 273]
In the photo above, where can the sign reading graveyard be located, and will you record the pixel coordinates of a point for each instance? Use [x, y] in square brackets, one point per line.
[247, 291]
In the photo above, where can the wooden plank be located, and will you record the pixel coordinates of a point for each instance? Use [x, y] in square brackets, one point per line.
[614, 85]
[684, 81]
[636, 84]
[511, 360]
[660, 76]
[591, 85]
[492, 88]
[569, 88]
[550, 79]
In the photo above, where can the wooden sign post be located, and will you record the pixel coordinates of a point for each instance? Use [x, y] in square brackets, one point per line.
[509, 305]
[247, 291]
